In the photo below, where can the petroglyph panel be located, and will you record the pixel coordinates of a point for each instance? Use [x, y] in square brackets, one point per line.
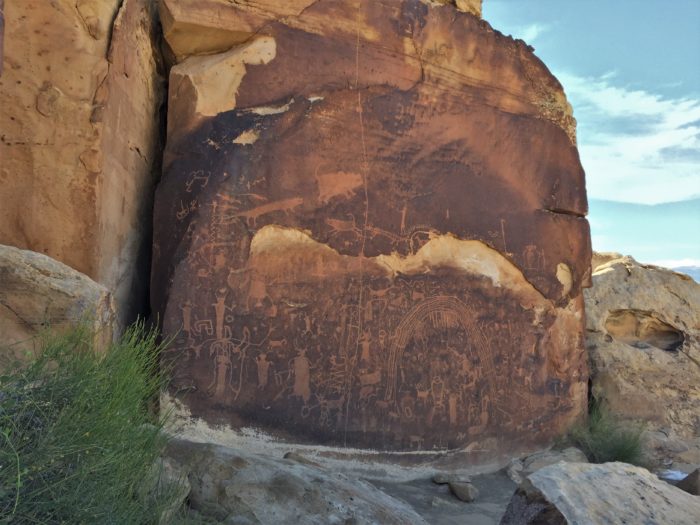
[382, 243]
[341, 349]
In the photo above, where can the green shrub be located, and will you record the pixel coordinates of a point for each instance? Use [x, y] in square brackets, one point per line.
[604, 438]
[77, 441]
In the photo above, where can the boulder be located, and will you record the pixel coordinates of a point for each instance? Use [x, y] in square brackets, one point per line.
[443, 478]
[520, 469]
[229, 485]
[464, 491]
[608, 493]
[170, 484]
[80, 95]
[691, 483]
[370, 231]
[600, 258]
[643, 338]
[37, 292]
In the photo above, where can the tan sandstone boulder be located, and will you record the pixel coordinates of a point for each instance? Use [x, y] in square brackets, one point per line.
[586, 494]
[37, 292]
[80, 93]
[643, 336]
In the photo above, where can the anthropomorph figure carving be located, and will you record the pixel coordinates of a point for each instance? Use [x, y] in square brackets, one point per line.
[301, 368]
[263, 369]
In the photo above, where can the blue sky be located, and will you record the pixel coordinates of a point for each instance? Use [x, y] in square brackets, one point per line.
[631, 70]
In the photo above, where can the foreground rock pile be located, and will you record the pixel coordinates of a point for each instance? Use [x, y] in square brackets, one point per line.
[370, 230]
[232, 486]
[223, 485]
[581, 493]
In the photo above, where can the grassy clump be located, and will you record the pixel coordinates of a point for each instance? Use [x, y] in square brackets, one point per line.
[77, 441]
[604, 438]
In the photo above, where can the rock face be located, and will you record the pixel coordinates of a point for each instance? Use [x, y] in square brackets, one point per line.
[643, 337]
[37, 292]
[370, 227]
[691, 483]
[228, 484]
[80, 94]
[609, 493]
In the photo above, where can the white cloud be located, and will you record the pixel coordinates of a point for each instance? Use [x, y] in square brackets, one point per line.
[531, 32]
[675, 263]
[636, 146]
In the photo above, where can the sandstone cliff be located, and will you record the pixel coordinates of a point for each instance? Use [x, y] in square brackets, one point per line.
[80, 93]
[370, 226]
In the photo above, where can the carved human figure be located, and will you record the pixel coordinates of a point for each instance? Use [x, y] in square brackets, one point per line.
[301, 367]
[263, 370]
[220, 311]
[223, 365]
[485, 408]
[223, 351]
[366, 340]
[452, 403]
[186, 308]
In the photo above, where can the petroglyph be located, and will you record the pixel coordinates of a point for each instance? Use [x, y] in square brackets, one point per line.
[337, 184]
[350, 247]
[285, 205]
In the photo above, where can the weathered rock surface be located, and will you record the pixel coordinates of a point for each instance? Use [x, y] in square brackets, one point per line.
[2, 31]
[443, 478]
[80, 94]
[691, 483]
[590, 494]
[370, 227]
[229, 485]
[600, 258]
[37, 292]
[520, 469]
[464, 490]
[643, 337]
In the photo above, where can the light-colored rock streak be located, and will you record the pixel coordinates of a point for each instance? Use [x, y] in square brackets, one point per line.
[273, 244]
[212, 81]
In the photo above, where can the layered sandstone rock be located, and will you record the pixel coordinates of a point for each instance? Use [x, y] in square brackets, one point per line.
[37, 292]
[643, 336]
[231, 486]
[608, 493]
[80, 94]
[370, 228]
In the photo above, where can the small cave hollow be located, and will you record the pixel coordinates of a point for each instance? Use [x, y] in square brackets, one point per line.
[641, 328]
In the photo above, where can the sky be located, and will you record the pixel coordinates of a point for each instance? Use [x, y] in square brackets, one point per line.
[631, 71]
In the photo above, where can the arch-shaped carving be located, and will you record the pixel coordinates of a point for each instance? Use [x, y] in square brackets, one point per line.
[430, 306]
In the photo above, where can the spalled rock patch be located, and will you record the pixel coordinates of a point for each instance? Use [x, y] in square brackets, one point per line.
[370, 231]
[37, 293]
[608, 493]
